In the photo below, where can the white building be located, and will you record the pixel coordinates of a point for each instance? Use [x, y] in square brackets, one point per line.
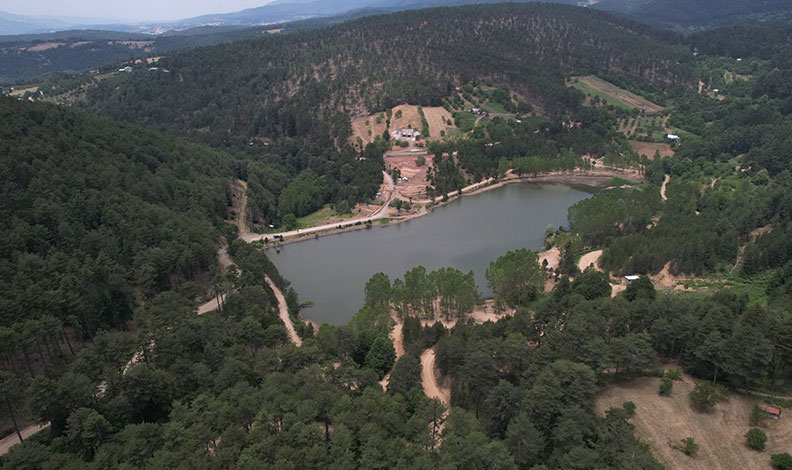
[405, 133]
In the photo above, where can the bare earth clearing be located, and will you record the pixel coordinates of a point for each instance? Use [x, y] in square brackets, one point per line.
[649, 148]
[415, 186]
[409, 118]
[663, 421]
[590, 259]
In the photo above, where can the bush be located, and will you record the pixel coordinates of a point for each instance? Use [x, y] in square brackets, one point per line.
[704, 396]
[781, 461]
[756, 439]
[690, 447]
[756, 415]
[666, 384]
[629, 407]
[420, 161]
[674, 374]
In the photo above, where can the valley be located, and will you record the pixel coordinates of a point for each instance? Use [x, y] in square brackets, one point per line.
[508, 236]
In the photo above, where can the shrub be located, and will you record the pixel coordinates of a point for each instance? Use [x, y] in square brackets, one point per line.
[690, 447]
[704, 396]
[674, 374]
[666, 384]
[420, 161]
[756, 439]
[756, 415]
[781, 461]
[629, 407]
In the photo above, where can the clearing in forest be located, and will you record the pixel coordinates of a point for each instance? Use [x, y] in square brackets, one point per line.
[415, 186]
[614, 95]
[663, 421]
[650, 148]
[367, 128]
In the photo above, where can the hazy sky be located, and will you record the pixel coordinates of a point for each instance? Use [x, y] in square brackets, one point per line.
[127, 9]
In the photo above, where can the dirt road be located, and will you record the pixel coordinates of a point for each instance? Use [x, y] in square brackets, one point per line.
[591, 258]
[12, 439]
[283, 311]
[663, 188]
[212, 305]
[379, 214]
[429, 380]
[397, 338]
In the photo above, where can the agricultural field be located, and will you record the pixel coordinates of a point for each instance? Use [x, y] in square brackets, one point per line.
[367, 128]
[611, 94]
[663, 421]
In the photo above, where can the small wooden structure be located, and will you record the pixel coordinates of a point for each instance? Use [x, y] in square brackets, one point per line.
[771, 411]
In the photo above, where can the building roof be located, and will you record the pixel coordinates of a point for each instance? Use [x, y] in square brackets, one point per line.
[769, 409]
[632, 277]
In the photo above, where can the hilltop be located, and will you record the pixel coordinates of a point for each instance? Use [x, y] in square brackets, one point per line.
[309, 83]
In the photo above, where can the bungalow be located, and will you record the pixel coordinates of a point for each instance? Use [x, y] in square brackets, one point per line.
[672, 137]
[771, 411]
[631, 278]
[406, 133]
[126, 69]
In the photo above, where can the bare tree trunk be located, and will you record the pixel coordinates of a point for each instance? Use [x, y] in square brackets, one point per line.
[27, 362]
[13, 419]
[66, 337]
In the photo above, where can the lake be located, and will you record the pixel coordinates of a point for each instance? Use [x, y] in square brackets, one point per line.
[466, 234]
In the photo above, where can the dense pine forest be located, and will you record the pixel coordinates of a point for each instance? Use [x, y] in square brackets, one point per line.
[306, 83]
[111, 229]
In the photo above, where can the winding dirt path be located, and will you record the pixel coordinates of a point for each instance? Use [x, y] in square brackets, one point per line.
[283, 311]
[12, 439]
[432, 389]
[663, 188]
[397, 338]
[380, 213]
[589, 259]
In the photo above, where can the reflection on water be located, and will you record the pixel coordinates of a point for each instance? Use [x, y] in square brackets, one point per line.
[466, 234]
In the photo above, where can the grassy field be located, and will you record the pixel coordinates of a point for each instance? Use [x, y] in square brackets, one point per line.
[320, 217]
[591, 91]
[496, 107]
[534, 121]
[663, 422]
[614, 95]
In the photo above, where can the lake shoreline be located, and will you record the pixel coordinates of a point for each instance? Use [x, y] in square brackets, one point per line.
[587, 181]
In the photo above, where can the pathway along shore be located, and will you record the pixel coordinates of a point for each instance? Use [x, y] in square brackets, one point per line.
[592, 177]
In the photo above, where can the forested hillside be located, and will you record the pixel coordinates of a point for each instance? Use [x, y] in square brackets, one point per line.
[307, 83]
[25, 57]
[97, 215]
[697, 14]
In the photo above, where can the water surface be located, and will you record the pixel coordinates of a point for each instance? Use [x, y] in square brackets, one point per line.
[467, 233]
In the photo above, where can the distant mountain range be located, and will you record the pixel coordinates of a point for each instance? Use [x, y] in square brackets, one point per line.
[679, 14]
[22, 24]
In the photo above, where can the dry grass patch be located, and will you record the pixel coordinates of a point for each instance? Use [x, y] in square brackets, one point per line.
[45, 46]
[435, 116]
[649, 148]
[663, 421]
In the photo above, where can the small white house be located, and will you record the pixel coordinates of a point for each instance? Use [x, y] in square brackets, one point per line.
[126, 69]
[672, 137]
[631, 278]
[405, 133]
